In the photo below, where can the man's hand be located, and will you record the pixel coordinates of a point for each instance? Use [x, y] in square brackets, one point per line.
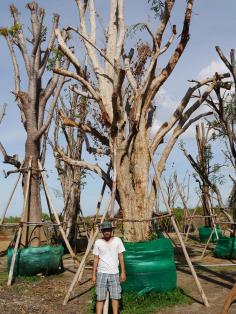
[95, 265]
[94, 279]
[122, 277]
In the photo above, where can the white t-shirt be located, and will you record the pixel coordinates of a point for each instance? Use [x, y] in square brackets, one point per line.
[108, 254]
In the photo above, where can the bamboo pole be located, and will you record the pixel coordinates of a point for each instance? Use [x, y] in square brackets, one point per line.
[56, 216]
[229, 300]
[92, 231]
[225, 223]
[214, 225]
[190, 221]
[198, 284]
[10, 198]
[200, 216]
[13, 260]
[106, 304]
[82, 263]
[99, 202]
[208, 241]
[186, 210]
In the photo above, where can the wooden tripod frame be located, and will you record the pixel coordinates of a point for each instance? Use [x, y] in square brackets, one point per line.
[51, 209]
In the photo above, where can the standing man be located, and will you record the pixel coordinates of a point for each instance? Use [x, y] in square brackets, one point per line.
[108, 252]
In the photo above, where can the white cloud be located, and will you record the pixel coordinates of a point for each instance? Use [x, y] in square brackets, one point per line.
[212, 68]
[164, 100]
[155, 127]
[190, 132]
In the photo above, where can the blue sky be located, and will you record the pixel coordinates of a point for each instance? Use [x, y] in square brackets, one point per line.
[213, 24]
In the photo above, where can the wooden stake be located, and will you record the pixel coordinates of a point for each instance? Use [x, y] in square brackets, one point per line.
[198, 284]
[13, 260]
[231, 297]
[106, 304]
[93, 237]
[10, 198]
[190, 221]
[208, 241]
[101, 194]
[56, 216]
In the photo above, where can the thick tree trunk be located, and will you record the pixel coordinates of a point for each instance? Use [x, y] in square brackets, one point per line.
[73, 207]
[33, 235]
[132, 187]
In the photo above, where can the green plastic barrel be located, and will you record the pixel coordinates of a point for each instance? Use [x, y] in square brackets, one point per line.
[34, 260]
[225, 248]
[149, 266]
[205, 232]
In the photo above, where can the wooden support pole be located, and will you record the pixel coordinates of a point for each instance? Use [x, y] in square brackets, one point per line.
[82, 264]
[231, 297]
[208, 241]
[10, 198]
[56, 216]
[198, 284]
[213, 222]
[200, 216]
[106, 304]
[190, 221]
[225, 223]
[26, 200]
[99, 202]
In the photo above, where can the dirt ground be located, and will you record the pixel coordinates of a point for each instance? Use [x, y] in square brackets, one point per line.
[47, 293]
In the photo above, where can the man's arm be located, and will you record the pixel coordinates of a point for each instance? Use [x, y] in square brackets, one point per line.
[95, 266]
[122, 267]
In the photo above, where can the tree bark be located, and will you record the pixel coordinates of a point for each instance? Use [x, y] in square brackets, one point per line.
[33, 235]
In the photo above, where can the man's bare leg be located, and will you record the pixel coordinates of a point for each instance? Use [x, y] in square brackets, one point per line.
[115, 306]
[99, 307]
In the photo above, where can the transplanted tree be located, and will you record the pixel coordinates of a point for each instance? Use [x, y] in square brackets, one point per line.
[207, 174]
[223, 104]
[123, 83]
[71, 142]
[32, 56]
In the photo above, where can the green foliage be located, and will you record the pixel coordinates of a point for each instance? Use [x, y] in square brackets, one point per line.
[12, 219]
[11, 30]
[3, 278]
[157, 6]
[56, 55]
[28, 278]
[181, 145]
[148, 303]
[14, 29]
[4, 31]
[46, 217]
[133, 29]
[179, 215]
[228, 112]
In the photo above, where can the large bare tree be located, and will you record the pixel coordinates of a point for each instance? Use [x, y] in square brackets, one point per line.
[124, 85]
[32, 57]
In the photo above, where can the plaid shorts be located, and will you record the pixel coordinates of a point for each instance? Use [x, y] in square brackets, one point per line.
[108, 282]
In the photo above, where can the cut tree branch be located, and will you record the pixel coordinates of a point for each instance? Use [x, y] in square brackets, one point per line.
[85, 165]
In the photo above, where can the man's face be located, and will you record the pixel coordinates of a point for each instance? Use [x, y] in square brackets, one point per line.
[107, 233]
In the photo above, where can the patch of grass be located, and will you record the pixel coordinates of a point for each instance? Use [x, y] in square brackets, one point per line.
[3, 278]
[148, 303]
[27, 278]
